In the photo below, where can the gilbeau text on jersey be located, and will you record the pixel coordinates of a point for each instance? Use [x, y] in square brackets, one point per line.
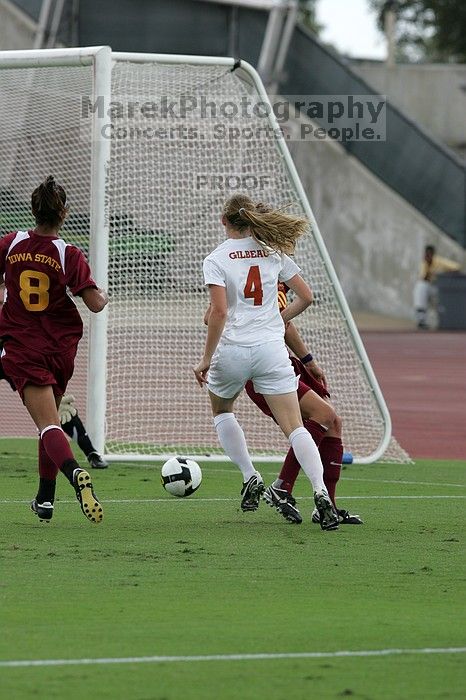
[248, 254]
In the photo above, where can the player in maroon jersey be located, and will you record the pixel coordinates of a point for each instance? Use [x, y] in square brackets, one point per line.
[321, 421]
[40, 328]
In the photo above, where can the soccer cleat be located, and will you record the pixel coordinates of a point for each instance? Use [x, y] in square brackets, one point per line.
[44, 511]
[96, 461]
[315, 517]
[328, 518]
[344, 517]
[283, 502]
[90, 506]
[251, 493]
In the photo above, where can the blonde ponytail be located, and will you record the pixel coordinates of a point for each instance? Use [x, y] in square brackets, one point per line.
[271, 228]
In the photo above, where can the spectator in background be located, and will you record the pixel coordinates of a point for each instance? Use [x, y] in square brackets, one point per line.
[425, 292]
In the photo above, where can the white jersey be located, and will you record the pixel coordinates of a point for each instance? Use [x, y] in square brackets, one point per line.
[250, 276]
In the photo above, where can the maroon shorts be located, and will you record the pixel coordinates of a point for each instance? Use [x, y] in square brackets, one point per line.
[306, 383]
[24, 366]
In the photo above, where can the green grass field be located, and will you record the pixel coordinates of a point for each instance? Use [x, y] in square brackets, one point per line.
[166, 577]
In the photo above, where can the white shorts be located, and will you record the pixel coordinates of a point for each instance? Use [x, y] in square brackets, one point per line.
[268, 365]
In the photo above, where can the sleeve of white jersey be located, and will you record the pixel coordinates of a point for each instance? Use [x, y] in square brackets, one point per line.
[213, 273]
[289, 269]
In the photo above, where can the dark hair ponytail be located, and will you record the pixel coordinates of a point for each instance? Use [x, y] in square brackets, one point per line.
[48, 203]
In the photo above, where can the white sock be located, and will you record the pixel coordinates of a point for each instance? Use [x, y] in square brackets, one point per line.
[231, 437]
[308, 456]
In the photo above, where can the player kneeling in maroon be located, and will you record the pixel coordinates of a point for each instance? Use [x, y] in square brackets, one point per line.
[40, 328]
[320, 420]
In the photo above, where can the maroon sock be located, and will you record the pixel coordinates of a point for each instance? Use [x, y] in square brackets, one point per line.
[47, 468]
[290, 469]
[58, 449]
[331, 454]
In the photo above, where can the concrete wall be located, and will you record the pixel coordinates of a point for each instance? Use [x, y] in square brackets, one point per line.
[375, 239]
[432, 94]
[17, 30]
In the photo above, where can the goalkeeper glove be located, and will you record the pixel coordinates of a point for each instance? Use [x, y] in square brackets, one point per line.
[67, 409]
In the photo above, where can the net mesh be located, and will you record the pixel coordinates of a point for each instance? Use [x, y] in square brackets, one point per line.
[172, 165]
[40, 135]
[169, 177]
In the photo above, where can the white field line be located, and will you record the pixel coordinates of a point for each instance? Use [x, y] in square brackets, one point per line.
[343, 477]
[394, 481]
[171, 501]
[228, 657]
[371, 481]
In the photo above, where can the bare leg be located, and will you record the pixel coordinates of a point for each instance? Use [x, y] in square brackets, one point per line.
[221, 405]
[315, 408]
[42, 405]
[286, 411]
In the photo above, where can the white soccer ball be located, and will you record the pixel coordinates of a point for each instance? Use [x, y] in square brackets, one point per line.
[181, 476]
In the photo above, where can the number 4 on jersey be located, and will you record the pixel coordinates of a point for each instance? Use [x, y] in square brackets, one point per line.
[253, 286]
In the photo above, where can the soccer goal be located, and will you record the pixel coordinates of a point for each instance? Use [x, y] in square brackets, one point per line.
[148, 147]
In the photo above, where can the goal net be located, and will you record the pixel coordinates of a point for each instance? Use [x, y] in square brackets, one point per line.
[148, 157]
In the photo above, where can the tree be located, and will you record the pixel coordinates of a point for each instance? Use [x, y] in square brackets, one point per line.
[307, 15]
[433, 30]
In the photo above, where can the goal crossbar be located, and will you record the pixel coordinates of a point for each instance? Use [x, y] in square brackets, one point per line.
[43, 58]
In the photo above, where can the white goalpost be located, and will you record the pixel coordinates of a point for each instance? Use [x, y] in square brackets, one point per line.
[148, 146]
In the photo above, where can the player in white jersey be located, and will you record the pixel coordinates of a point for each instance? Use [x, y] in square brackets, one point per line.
[245, 338]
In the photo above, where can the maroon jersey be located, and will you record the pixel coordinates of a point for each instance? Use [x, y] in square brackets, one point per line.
[37, 312]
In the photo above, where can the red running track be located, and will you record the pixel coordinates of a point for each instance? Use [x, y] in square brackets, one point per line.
[423, 379]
